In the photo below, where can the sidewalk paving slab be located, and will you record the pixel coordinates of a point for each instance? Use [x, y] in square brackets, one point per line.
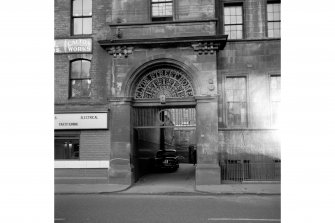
[89, 188]
[244, 188]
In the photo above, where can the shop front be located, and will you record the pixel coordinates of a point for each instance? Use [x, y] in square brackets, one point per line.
[81, 147]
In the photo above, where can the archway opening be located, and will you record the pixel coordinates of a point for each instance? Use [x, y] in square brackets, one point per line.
[164, 126]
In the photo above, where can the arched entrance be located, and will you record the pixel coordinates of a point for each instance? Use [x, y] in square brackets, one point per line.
[163, 116]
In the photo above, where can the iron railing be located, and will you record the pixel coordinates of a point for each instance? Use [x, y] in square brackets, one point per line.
[244, 170]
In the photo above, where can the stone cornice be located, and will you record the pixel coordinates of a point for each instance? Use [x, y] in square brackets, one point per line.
[201, 44]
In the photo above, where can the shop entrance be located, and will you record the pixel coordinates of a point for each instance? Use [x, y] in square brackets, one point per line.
[163, 128]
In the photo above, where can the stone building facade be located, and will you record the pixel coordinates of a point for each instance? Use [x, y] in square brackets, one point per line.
[214, 65]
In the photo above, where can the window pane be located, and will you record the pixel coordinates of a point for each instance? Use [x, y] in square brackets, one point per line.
[75, 69]
[239, 35]
[77, 26]
[239, 19]
[229, 95]
[233, 19]
[239, 11]
[276, 16]
[233, 35]
[86, 88]
[66, 148]
[77, 7]
[87, 7]
[270, 16]
[270, 7]
[237, 115]
[227, 19]
[85, 69]
[87, 25]
[75, 88]
[226, 11]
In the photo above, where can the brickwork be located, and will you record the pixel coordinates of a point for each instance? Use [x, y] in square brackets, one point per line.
[95, 145]
[62, 22]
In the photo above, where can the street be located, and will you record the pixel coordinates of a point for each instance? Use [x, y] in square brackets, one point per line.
[193, 208]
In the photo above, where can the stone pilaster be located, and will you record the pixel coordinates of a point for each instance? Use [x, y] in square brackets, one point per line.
[208, 170]
[120, 170]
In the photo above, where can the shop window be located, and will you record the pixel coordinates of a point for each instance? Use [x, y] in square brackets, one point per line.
[67, 148]
[233, 21]
[275, 92]
[161, 10]
[236, 101]
[80, 78]
[273, 14]
[82, 17]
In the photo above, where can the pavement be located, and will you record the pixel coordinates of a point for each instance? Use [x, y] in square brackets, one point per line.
[179, 182]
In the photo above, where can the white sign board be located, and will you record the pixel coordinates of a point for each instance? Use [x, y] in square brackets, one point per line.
[73, 45]
[81, 121]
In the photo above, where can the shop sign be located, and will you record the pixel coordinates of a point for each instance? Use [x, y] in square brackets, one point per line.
[73, 45]
[81, 121]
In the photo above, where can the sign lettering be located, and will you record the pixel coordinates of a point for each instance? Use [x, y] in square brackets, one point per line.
[73, 45]
[81, 121]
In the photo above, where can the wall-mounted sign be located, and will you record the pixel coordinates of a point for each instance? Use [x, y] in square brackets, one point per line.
[73, 45]
[81, 121]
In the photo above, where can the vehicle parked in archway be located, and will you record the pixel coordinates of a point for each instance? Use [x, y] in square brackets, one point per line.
[166, 160]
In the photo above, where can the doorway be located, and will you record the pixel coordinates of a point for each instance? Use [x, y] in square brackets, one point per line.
[157, 128]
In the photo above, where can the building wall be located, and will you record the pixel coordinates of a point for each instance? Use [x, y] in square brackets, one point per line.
[256, 57]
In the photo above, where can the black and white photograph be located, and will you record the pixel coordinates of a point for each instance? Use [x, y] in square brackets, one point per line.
[168, 111]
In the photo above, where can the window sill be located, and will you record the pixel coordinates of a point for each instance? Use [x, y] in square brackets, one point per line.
[251, 40]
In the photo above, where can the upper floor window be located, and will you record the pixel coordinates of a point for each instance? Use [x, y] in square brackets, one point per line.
[80, 78]
[81, 17]
[275, 86]
[233, 21]
[273, 13]
[161, 10]
[236, 101]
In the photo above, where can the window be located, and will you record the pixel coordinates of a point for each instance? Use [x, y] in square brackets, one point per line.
[161, 10]
[275, 99]
[66, 148]
[236, 101]
[81, 17]
[233, 21]
[273, 12]
[80, 78]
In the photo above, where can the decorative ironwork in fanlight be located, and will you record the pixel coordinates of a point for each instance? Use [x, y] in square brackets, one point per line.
[170, 82]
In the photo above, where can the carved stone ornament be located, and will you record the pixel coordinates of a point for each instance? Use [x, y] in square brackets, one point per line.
[120, 51]
[164, 81]
[205, 48]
